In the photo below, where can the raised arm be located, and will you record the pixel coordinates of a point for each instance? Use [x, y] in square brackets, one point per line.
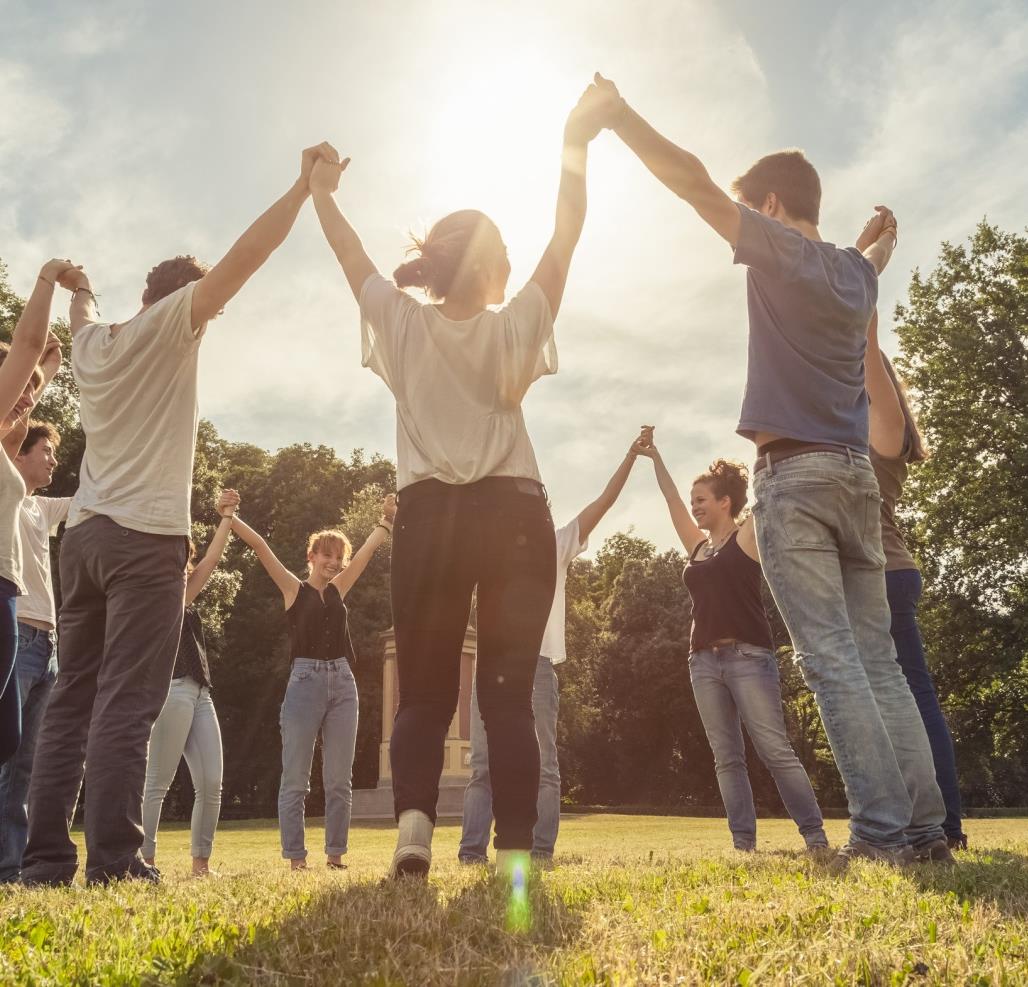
[287, 583]
[341, 236]
[30, 337]
[888, 426]
[197, 579]
[688, 532]
[346, 579]
[877, 240]
[683, 173]
[221, 283]
[591, 515]
[584, 123]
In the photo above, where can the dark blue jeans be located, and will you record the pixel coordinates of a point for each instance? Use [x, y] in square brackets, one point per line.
[10, 696]
[904, 590]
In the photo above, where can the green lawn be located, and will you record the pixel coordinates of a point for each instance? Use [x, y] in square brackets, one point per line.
[635, 899]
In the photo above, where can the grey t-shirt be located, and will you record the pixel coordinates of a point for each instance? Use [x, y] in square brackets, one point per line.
[809, 305]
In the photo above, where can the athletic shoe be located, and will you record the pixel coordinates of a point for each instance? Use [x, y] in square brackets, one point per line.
[859, 850]
[821, 853]
[413, 855]
[957, 842]
[137, 871]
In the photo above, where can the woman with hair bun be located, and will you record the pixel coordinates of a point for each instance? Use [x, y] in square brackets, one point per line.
[895, 443]
[472, 508]
[732, 663]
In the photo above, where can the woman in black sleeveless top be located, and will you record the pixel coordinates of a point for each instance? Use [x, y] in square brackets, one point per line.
[732, 666]
[321, 695]
[188, 724]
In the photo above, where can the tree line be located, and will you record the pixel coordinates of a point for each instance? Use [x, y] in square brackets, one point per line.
[629, 731]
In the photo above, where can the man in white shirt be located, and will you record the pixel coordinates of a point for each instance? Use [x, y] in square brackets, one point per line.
[36, 664]
[124, 553]
[572, 541]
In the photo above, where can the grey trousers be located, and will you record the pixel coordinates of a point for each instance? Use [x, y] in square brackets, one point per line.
[120, 622]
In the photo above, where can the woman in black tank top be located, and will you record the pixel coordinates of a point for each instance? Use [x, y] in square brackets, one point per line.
[321, 695]
[732, 666]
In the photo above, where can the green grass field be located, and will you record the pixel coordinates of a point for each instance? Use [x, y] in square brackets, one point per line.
[634, 900]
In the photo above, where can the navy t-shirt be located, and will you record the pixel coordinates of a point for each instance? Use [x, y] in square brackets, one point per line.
[809, 305]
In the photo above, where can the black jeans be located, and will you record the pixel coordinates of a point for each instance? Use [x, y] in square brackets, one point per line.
[496, 534]
[120, 622]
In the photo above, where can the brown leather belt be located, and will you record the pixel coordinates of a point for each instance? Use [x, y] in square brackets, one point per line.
[782, 449]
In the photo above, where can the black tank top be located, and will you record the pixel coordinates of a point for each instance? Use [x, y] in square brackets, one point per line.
[317, 628]
[726, 602]
[191, 659]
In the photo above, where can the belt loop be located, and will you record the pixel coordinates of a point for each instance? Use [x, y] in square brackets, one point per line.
[770, 464]
[849, 455]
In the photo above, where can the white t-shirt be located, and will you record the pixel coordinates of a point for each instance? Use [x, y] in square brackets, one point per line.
[458, 385]
[40, 517]
[12, 493]
[139, 412]
[569, 547]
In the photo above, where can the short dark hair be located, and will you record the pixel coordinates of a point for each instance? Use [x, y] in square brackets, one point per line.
[790, 176]
[36, 433]
[170, 275]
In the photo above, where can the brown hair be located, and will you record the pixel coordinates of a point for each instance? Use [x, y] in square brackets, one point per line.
[790, 176]
[918, 453]
[170, 275]
[330, 537]
[37, 374]
[446, 256]
[727, 478]
[36, 433]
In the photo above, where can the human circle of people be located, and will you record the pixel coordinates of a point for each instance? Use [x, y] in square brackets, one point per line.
[833, 432]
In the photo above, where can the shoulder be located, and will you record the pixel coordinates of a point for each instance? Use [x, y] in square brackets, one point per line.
[529, 302]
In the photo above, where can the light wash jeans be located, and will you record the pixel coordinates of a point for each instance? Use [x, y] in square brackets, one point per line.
[36, 669]
[186, 727]
[321, 696]
[736, 686]
[819, 535]
[478, 796]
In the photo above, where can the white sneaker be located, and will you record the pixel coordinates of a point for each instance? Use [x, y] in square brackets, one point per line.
[413, 854]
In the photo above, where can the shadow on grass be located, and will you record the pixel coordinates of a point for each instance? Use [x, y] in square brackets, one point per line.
[403, 933]
[998, 877]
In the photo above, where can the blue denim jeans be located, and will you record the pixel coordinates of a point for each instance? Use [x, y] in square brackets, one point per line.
[819, 535]
[904, 591]
[736, 686]
[478, 796]
[187, 727]
[10, 696]
[36, 671]
[321, 697]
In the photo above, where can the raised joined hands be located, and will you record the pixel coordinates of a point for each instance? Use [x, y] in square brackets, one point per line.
[389, 507]
[599, 106]
[228, 503]
[881, 223]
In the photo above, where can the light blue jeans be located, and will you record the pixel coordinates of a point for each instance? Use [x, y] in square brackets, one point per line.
[478, 796]
[186, 727]
[736, 686]
[36, 669]
[321, 697]
[819, 535]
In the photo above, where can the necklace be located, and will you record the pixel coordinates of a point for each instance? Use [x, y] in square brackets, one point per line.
[712, 550]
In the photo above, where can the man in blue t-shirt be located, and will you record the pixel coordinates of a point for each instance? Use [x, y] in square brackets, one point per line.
[817, 500]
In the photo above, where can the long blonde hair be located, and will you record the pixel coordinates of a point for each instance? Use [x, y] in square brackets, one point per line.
[918, 451]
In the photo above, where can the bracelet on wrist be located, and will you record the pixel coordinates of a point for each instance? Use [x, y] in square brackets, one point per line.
[47, 281]
[385, 526]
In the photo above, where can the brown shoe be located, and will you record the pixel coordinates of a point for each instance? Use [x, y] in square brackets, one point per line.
[936, 852]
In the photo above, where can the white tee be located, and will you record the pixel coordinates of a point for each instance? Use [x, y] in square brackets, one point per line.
[458, 385]
[40, 517]
[12, 493]
[139, 412]
[569, 547]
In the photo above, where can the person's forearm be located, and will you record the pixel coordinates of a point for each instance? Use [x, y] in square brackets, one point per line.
[571, 193]
[682, 172]
[594, 512]
[245, 533]
[34, 324]
[665, 482]
[220, 540]
[269, 231]
[880, 252]
[341, 236]
[345, 580]
[82, 308]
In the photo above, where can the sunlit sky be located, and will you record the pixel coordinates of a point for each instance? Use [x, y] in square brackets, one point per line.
[130, 132]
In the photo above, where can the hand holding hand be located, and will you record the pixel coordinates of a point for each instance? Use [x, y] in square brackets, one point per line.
[55, 270]
[600, 106]
[881, 223]
[228, 503]
[644, 445]
[311, 155]
[325, 175]
[389, 507]
[73, 279]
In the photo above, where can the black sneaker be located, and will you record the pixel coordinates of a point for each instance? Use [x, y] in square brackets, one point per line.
[936, 852]
[957, 842]
[137, 871]
[858, 850]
